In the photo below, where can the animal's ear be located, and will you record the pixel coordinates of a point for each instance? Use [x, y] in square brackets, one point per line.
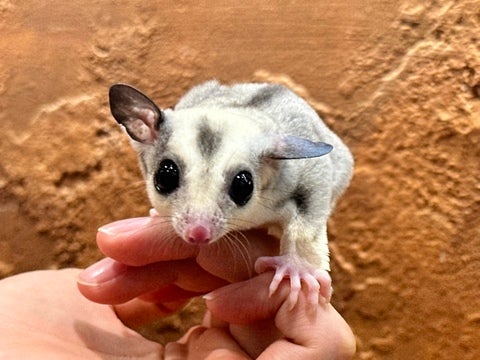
[134, 110]
[292, 147]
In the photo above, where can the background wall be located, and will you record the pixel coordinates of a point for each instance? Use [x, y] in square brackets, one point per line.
[399, 81]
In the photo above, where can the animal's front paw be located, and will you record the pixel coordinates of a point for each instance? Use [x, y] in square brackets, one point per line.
[298, 270]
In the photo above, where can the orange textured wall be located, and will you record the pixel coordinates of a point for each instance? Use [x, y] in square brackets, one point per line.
[399, 81]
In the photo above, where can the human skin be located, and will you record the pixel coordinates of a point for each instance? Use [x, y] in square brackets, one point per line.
[142, 280]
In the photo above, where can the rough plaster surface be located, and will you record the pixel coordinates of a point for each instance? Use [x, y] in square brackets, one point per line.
[399, 82]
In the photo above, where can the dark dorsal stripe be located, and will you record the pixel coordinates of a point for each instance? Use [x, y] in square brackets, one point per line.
[208, 140]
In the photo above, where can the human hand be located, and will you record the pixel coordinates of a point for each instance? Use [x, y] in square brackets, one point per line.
[150, 272]
[43, 313]
[163, 273]
[243, 322]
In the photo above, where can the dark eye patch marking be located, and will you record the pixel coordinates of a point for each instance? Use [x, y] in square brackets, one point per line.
[208, 140]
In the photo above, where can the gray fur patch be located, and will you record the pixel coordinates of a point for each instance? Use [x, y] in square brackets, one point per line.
[301, 198]
[208, 140]
[263, 96]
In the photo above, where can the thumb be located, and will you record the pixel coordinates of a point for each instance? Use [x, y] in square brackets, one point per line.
[306, 332]
[319, 334]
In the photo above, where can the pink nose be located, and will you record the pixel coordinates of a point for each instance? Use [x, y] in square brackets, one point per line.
[198, 234]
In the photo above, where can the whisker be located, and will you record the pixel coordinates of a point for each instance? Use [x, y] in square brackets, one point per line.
[268, 207]
[230, 243]
[237, 224]
[246, 253]
[131, 188]
[226, 242]
[237, 243]
[164, 220]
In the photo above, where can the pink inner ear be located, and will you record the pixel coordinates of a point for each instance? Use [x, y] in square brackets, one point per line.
[147, 116]
[143, 126]
[138, 129]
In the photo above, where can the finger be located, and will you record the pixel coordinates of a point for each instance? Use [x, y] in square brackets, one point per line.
[256, 337]
[110, 282]
[145, 240]
[205, 344]
[312, 334]
[141, 312]
[141, 241]
[250, 310]
[211, 321]
[320, 334]
[169, 293]
[239, 254]
[248, 301]
[138, 313]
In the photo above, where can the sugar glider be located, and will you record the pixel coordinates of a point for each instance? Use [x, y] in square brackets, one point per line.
[232, 158]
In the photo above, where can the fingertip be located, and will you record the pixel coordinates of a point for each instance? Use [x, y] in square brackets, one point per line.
[210, 296]
[334, 338]
[121, 227]
[119, 239]
[101, 272]
[153, 213]
[142, 241]
[176, 350]
[205, 343]
[348, 343]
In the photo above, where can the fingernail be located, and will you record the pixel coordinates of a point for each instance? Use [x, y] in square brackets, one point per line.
[153, 213]
[124, 226]
[101, 272]
[210, 296]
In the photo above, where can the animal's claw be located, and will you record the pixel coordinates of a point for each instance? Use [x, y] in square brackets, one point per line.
[299, 271]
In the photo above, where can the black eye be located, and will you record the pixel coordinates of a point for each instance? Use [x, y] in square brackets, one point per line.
[241, 188]
[167, 177]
